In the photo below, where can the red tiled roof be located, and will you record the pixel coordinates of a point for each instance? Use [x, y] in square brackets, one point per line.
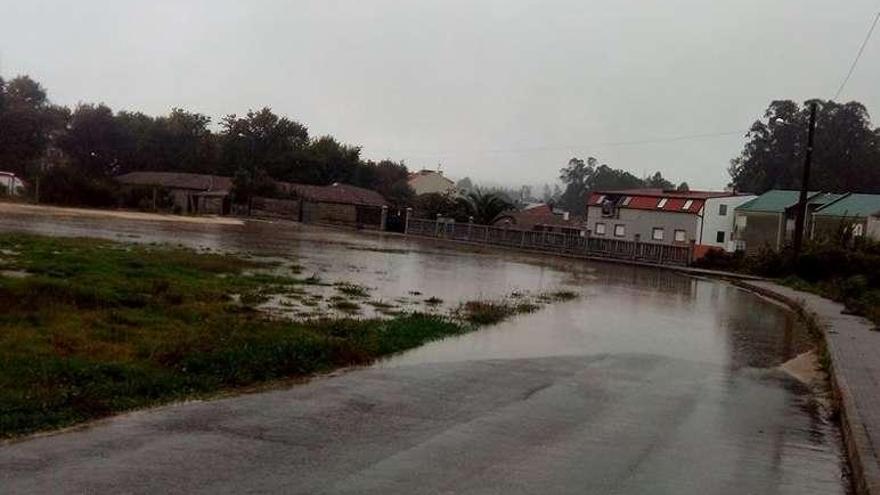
[177, 180]
[649, 199]
[537, 215]
[335, 193]
[663, 193]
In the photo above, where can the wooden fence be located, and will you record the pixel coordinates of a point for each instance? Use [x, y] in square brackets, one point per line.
[552, 242]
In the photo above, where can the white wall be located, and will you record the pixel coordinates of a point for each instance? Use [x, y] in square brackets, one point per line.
[11, 184]
[873, 228]
[431, 183]
[713, 222]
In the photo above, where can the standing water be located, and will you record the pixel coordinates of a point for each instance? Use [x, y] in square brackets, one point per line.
[649, 381]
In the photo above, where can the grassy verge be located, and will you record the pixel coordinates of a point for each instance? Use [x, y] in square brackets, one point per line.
[90, 328]
[849, 274]
[854, 292]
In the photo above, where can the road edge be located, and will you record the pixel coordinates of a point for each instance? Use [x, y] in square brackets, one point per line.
[861, 454]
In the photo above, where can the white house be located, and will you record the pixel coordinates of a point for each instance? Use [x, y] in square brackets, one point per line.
[718, 221]
[658, 216]
[11, 184]
[430, 181]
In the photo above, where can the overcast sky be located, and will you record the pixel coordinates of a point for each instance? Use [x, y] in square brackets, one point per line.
[502, 91]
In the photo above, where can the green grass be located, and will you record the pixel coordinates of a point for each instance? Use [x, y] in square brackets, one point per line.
[489, 312]
[100, 327]
[352, 290]
[346, 306]
[381, 305]
[855, 293]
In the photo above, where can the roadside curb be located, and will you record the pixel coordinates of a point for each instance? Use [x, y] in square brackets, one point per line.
[861, 452]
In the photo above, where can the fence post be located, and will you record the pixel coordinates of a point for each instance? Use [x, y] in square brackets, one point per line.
[437, 226]
[406, 221]
[691, 250]
[470, 228]
[383, 219]
[636, 240]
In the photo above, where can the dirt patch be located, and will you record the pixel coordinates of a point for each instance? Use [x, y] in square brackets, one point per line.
[57, 211]
[804, 368]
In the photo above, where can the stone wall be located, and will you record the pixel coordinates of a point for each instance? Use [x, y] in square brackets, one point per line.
[276, 208]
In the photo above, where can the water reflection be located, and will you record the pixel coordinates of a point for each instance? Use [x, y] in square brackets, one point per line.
[700, 355]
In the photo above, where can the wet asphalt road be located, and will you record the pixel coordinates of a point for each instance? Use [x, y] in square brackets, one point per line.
[652, 382]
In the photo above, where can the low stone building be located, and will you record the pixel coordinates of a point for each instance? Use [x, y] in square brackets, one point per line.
[340, 204]
[177, 192]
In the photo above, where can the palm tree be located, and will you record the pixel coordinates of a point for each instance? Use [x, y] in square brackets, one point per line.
[485, 206]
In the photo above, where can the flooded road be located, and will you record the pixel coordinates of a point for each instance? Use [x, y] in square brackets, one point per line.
[650, 381]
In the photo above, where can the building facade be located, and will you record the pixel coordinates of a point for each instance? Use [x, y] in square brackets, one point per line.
[177, 192]
[339, 204]
[11, 184]
[665, 217]
[430, 182]
[872, 229]
[849, 214]
[768, 221]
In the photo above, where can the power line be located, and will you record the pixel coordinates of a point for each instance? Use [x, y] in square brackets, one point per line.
[855, 62]
[639, 142]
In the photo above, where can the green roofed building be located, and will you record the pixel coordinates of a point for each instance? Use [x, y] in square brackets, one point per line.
[850, 212]
[768, 221]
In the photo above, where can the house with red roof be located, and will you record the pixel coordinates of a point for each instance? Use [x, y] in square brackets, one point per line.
[705, 218]
[541, 217]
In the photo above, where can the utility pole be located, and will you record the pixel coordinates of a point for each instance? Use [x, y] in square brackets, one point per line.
[805, 185]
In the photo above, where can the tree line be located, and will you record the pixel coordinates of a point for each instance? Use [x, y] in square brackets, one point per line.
[846, 150]
[73, 154]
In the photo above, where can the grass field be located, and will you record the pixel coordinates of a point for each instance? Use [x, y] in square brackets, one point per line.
[89, 328]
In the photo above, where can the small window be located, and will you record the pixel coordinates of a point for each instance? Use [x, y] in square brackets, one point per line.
[661, 203]
[619, 230]
[600, 228]
[626, 200]
[722, 210]
[687, 204]
[680, 236]
[657, 234]
[719, 237]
